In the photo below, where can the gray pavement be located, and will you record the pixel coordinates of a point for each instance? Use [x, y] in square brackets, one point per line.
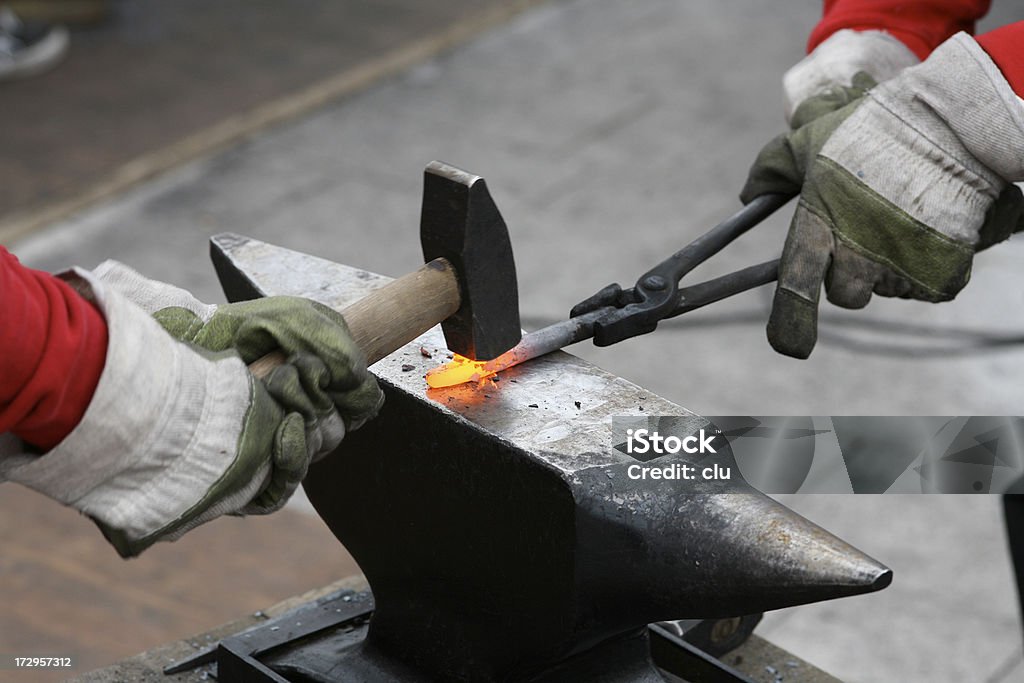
[610, 134]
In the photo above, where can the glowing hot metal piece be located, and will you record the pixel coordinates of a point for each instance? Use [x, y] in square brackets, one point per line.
[461, 370]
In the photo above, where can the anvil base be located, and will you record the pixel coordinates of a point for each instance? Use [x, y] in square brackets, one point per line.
[325, 642]
[191, 661]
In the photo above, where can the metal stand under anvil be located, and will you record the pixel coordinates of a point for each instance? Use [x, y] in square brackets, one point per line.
[499, 532]
[254, 638]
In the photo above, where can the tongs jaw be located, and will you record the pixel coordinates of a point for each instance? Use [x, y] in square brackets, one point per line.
[634, 311]
[657, 294]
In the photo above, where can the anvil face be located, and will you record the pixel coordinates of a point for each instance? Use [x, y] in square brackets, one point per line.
[496, 524]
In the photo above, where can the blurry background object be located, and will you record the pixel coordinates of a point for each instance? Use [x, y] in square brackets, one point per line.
[28, 48]
[149, 84]
[70, 12]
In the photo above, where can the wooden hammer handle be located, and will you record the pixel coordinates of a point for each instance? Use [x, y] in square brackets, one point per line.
[393, 315]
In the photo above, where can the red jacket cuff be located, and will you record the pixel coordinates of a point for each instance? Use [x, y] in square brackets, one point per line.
[53, 346]
[922, 25]
[1006, 48]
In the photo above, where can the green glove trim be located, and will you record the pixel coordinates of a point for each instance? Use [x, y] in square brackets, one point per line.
[329, 371]
[291, 461]
[869, 224]
[793, 324]
[1005, 218]
[831, 100]
[783, 163]
[180, 323]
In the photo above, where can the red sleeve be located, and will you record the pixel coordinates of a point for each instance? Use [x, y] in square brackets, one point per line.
[920, 24]
[53, 344]
[1006, 47]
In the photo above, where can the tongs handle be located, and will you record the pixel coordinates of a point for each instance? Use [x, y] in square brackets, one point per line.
[697, 296]
[717, 238]
[657, 295]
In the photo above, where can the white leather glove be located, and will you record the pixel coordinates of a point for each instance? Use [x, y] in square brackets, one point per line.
[898, 189]
[835, 62]
[177, 434]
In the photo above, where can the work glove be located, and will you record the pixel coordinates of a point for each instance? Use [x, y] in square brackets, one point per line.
[307, 403]
[324, 379]
[179, 431]
[898, 188]
[834, 63]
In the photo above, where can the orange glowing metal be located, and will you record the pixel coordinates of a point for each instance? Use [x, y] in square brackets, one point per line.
[458, 371]
[461, 370]
[533, 345]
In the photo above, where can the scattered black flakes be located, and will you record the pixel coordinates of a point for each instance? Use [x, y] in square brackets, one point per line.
[641, 408]
[533, 405]
[577, 404]
[425, 353]
[408, 368]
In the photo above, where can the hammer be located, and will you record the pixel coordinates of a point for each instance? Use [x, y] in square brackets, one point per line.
[468, 283]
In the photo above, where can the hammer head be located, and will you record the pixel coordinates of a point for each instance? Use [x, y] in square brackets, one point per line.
[460, 222]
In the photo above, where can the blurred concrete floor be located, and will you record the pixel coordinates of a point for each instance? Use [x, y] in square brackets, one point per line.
[154, 73]
[155, 83]
[65, 592]
[610, 134]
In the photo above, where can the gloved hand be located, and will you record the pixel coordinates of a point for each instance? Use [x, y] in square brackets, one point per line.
[831, 99]
[178, 431]
[834, 63]
[325, 378]
[898, 189]
[309, 402]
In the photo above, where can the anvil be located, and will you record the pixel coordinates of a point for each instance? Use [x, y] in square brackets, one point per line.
[498, 530]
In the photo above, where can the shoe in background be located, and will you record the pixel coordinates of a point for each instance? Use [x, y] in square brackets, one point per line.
[28, 48]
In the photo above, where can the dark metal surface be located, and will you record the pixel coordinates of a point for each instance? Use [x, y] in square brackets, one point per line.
[310, 618]
[267, 652]
[498, 528]
[681, 658]
[656, 294]
[460, 222]
[326, 641]
[714, 636]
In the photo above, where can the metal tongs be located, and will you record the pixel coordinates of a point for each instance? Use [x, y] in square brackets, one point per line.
[614, 314]
[619, 314]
